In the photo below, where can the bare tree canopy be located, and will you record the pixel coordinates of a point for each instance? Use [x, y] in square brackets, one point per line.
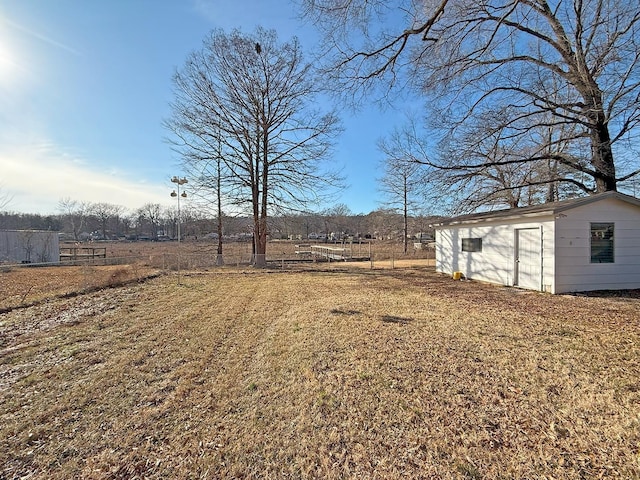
[516, 67]
[153, 214]
[5, 198]
[106, 212]
[76, 214]
[403, 183]
[250, 101]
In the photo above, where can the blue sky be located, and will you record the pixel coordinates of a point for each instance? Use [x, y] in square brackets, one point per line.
[85, 85]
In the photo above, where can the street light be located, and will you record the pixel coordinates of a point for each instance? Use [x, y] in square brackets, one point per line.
[179, 181]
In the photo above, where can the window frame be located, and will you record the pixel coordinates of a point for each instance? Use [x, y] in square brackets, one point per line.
[605, 243]
[471, 244]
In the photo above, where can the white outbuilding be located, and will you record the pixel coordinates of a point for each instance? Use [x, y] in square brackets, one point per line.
[29, 246]
[576, 245]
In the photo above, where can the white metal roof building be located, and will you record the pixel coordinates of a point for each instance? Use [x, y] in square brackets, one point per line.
[582, 244]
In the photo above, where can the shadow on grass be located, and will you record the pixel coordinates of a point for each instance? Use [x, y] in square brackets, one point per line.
[632, 294]
[337, 311]
[395, 319]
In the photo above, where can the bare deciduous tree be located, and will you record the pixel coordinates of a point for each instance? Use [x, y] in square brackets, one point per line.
[335, 221]
[210, 177]
[383, 223]
[106, 212]
[403, 184]
[5, 199]
[553, 64]
[489, 166]
[152, 214]
[483, 165]
[75, 213]
[256, 96]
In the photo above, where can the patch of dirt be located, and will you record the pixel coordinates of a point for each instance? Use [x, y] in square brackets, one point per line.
[20, 286]
[18, 331]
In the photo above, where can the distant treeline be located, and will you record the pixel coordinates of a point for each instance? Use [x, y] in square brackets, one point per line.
[156, 223]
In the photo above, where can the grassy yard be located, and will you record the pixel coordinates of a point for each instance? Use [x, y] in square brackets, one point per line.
[338, 374]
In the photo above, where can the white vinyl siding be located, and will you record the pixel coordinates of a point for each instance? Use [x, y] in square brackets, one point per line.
[471, 244]
[496, 262]
[566, 264]
[575, 270]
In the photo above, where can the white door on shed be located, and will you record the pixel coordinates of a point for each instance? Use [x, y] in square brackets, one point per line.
[528, 256]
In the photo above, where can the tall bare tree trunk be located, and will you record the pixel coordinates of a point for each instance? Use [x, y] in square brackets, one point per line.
[603, 161]
[405, 214]
[262, 182]
[219, 258]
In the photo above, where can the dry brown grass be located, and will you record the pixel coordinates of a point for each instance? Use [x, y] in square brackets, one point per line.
[26, 285]
[21, 286]
[325, 374]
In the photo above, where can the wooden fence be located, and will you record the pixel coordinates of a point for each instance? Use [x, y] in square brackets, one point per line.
[73, 254]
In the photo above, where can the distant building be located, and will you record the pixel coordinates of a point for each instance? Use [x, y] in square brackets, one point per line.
[29, 246]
